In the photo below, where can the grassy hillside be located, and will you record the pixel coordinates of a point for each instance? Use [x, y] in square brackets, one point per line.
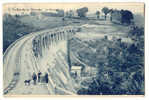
[14, 29]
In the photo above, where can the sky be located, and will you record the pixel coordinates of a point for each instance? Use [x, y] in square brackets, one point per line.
[93, 7]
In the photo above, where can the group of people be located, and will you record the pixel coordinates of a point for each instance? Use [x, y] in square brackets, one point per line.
[39, 78]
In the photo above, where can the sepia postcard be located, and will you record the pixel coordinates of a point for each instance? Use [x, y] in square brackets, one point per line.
[73, 49]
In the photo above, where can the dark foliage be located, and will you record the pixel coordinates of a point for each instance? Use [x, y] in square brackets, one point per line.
[126, 16]
[82, 12]
[123, 71]
[13, 29]
[105, 10]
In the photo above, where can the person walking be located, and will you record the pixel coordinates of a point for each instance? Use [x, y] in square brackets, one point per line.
[34, 77]
[39, 76]
[46, 78]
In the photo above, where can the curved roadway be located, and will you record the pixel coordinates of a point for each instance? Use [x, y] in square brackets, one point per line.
[18, 67]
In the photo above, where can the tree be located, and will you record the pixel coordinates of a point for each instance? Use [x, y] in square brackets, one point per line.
[105, 10]
[127, 16]
[97, 14]
[12, 28]
[82, 12]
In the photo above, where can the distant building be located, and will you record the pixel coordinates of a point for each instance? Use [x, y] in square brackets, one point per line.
[116, 16]
[76, 70]
[89, 71]
[80, 71]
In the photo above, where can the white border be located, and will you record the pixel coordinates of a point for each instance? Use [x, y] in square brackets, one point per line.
[146, 97]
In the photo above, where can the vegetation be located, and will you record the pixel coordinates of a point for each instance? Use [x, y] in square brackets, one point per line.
[126, 16]
[105, 10]
[82, 12]
[122, 16]
[14, 29]
[122, 70]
